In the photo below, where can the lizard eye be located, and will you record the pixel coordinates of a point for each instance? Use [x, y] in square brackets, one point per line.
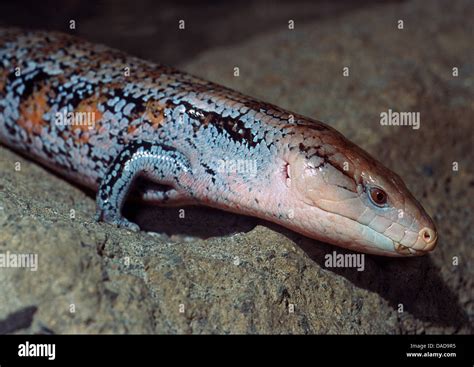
[378, 196]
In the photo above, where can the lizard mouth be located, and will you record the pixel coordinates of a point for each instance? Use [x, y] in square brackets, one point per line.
[404, 250]
[425, 243]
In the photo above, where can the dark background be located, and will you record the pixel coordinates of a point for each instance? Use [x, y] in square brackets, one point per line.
[135, 26]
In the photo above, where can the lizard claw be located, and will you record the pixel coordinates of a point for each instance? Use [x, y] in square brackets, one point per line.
[126, 224]
[117, 221]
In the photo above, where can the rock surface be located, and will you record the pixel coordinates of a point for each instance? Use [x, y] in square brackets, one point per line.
[93, 278]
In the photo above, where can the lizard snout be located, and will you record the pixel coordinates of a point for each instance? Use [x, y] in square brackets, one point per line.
[428, 237]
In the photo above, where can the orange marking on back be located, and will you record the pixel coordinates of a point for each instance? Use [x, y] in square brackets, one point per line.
[3, 79]
[155, 113]
[87, 114]
[32, 111]
[86, 119]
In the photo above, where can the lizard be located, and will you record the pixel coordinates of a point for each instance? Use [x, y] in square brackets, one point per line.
[124, 127]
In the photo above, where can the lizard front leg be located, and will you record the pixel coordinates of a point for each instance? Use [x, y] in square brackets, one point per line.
[156, 162]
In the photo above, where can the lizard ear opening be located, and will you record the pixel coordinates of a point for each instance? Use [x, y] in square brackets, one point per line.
[287, 174]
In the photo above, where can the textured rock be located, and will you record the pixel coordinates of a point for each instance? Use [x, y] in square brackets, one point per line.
[249, 281]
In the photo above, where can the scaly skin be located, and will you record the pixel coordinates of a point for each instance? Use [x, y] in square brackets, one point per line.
[155, 125]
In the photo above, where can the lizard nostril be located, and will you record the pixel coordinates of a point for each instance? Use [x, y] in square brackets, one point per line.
[429, 236]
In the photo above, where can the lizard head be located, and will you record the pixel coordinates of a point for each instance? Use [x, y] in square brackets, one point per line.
[345, 197]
